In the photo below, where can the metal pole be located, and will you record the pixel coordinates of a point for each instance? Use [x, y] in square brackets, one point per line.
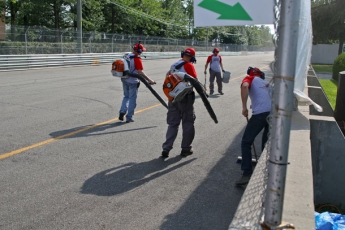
[90, 42]
[112, 43]
[79, 27]
[282, 108]
[61, 43]
[207, 40]
[26, 40]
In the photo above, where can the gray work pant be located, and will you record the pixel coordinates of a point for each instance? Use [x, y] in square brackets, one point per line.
[218, 76]
[177, 112]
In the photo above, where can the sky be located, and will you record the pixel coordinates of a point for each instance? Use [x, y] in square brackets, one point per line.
[271, 26]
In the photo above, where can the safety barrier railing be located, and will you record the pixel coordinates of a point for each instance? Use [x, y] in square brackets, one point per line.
[24, 62]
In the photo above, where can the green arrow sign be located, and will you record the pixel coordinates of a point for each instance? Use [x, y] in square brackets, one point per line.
[226, 11]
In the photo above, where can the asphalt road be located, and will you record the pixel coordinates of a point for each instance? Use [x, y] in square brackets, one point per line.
[67, 162]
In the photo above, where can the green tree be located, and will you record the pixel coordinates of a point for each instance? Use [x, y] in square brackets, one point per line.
[328, 20]
[136, 17]
[2, 10]
[233, 35]
[12, 8]
[92, 19]
[242, 35]
[166, 18]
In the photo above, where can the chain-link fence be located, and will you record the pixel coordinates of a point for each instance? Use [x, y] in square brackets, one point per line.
[41, 40]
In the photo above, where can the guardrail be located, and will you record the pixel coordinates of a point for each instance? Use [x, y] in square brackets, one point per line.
[24, 62]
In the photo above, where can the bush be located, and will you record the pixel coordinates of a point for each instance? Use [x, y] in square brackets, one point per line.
[338, 66]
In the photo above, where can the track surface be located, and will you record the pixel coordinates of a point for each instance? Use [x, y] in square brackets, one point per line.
[67, 162]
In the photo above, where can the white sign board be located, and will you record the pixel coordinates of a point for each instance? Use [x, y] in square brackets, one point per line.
[233, 12]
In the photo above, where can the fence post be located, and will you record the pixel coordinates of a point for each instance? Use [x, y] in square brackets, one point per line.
[61, 43]
[91, 35]
[26, 40]
[207, 40]
[282, 108]
[112, 43]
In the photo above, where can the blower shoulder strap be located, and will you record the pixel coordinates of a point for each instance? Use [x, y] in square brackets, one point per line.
[179, 66]
[134, 57]
[131, 57]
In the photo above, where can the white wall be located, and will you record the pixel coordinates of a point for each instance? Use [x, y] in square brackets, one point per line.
[324, 53]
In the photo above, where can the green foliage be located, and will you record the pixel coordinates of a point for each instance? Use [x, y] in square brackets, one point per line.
[328, 22]
[338, 66]
[70, 47]
[330, 88]
[163, 18]
[323, 68]
[2, 12]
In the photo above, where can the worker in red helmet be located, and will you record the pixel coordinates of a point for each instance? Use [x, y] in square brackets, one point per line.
[260, 93]
[181, 111]
[130, 85]
[216, 66]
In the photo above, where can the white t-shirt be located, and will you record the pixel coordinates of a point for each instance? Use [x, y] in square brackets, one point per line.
[260, 93]
[214, 61]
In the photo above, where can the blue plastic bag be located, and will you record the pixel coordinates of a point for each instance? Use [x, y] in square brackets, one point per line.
[329, 221]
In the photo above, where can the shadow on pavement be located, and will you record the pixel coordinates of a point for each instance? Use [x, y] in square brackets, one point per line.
[91, 130]
[118, 180]
[213, 203]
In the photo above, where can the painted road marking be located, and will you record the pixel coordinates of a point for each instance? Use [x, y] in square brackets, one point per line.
[51, 140]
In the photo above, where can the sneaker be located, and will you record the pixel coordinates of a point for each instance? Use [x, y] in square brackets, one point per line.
[243, 180]
[121, 116]
[131, 120]
[185, 153]
[220, 92]
[165, 153]
[211, 92]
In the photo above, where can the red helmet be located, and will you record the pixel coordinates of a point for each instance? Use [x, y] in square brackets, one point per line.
[215, 50]
[255, 72]
[139, 48]
[189, 52]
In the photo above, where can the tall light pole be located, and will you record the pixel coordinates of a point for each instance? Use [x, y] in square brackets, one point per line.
[79, 27]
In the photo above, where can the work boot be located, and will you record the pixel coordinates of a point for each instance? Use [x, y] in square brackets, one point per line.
[165, 153]
[185, 153]
[243, 180]
[121, 116]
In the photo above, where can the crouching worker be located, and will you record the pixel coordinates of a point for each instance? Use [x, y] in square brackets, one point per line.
[259, 92]
[182, 110]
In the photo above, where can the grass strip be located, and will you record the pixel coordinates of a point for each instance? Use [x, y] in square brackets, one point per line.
[323, 68]
[330, 87]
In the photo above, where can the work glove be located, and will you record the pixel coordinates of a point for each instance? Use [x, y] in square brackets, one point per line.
[205, 72]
